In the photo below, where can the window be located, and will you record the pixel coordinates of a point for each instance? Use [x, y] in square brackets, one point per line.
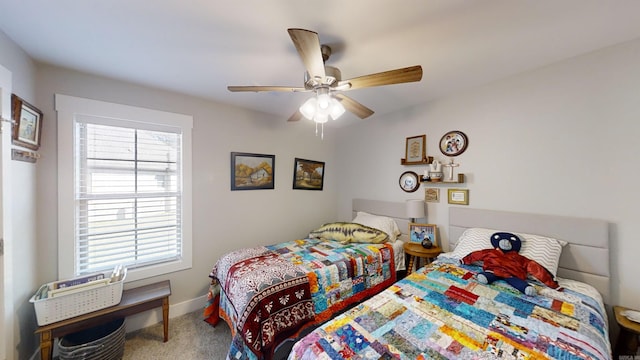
[124, 181]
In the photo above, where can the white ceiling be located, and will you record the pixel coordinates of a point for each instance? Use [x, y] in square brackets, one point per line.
[200, 47]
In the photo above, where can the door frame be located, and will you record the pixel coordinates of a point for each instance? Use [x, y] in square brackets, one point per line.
[6, 265]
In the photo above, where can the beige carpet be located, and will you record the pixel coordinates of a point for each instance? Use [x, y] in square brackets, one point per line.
[190, 338]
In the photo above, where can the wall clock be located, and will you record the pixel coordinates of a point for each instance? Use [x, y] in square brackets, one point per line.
[409, 181]
[453, 143]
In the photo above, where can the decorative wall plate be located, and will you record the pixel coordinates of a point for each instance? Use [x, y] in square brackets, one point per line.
[453, 143]
[409, 181]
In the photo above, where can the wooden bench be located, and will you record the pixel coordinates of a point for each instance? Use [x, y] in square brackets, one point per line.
[133, 301]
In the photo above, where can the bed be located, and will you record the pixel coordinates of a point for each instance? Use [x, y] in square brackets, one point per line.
[441, 311]
[269, 294]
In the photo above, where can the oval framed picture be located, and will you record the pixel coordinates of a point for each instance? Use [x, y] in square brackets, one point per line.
[453, 143]
[409, 181]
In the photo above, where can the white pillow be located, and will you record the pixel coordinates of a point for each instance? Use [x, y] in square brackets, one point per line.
[544, 250]
[382, 223]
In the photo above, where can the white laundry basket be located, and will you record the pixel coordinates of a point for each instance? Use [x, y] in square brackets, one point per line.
[78, 302]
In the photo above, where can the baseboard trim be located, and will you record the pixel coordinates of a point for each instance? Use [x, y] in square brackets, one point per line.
[152, 317]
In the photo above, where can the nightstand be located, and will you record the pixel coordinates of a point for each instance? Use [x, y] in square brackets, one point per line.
[415, 250]
[627, 343]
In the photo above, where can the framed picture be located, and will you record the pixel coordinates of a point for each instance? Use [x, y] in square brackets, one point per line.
[432, 195]
[458, 196]
[28, 123]
[252, 171]
[453, 143]
[420, 232]
[308, 174]
[415, 150]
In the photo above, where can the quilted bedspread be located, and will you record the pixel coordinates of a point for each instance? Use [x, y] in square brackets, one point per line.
[442, 312]
[269, 293]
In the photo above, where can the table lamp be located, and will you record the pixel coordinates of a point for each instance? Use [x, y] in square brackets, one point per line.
[415, 209]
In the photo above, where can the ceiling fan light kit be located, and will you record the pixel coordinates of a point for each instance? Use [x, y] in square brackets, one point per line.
[326, 82]
[322, 106]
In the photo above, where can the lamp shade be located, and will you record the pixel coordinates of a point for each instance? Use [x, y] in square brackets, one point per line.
[415, 209]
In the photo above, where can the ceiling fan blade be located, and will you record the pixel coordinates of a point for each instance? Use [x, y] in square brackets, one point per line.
[397, 76]
[355, 107]
[308, 45]
[296, 116]
[266, 88]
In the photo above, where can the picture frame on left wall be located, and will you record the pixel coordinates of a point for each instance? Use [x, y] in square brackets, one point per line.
[27, 128]
[252, 171]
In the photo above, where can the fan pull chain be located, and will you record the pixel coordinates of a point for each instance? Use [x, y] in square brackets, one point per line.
[321, 131]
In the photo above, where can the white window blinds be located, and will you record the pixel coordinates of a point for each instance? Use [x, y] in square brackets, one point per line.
[128, 184]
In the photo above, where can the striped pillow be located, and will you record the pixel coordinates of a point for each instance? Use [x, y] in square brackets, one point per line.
[383, 223]
[544, 250]
[345, 233]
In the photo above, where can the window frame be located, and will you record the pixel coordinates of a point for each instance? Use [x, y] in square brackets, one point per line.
[68, 107]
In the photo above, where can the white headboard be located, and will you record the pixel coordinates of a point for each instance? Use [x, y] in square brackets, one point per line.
[392, 209]
[585, 258]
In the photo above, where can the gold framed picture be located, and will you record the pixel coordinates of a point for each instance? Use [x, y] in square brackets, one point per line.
[458, 196]
[423, 234]
[432, 195]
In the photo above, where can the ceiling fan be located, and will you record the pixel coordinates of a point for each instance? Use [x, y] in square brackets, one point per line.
[327, 83]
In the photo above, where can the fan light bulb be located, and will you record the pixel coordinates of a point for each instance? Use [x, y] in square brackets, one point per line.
[308, 109]
[324, 100]
[336, 109]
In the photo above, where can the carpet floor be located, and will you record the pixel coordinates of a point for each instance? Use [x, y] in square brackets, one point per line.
[190, 338]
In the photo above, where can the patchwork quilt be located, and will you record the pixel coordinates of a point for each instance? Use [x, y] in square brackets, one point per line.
[442, 312]
[269, 293]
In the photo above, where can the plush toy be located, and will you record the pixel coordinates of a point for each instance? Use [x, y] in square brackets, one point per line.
[504, 262]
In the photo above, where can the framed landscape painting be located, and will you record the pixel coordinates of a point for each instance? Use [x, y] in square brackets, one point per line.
[308, 174]
[252, 171]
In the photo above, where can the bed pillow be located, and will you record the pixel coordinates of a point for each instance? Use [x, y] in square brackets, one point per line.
[383, 223]
[544, 250]
[345, 232]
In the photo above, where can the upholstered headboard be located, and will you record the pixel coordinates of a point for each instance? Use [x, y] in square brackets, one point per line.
[392, 209]
[585, 258]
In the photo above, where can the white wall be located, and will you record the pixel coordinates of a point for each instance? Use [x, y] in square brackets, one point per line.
[22, 213]
[558, 140]
[223, 219]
